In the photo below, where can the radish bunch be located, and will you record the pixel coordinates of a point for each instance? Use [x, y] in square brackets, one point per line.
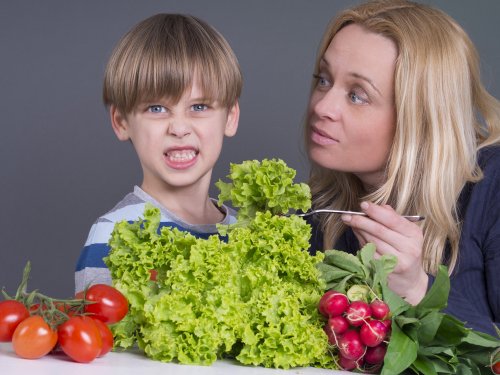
[358, 330]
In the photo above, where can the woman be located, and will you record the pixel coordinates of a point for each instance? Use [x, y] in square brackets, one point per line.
[399, 123]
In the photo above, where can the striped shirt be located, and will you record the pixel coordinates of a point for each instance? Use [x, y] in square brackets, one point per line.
[90, 268]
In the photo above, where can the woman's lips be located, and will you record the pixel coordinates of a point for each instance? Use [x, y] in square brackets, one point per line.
[321, 138]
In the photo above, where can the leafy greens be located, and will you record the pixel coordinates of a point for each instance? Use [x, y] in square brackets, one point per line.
[253, 298]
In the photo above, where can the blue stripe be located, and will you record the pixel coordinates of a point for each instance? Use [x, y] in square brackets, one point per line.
[93, 254]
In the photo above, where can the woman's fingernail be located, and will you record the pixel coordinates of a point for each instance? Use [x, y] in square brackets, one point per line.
[364, 205]
[346, 218]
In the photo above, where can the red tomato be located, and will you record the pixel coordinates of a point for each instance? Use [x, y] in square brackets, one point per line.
[80, 295]
[33, 338]
[106, 337]
[110, 305]
[80, 339]
[11, 314]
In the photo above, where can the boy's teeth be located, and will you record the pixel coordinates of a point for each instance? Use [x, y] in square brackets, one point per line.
[184, 155]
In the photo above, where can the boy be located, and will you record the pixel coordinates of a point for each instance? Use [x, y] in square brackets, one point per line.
[172, 86]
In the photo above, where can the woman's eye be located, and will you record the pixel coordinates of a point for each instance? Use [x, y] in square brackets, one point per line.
[199, 107]
[157, 109]
[357, 98]
[321, 81]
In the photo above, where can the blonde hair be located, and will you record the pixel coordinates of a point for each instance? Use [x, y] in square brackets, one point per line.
[444, 116]
[158, 58]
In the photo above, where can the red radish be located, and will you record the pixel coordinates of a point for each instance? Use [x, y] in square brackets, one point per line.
[357, 313]
[376, 354]
[349, 364]
[338, 324]
[333, 303]
[373, 332]
[350, 345]
[332, 340]
[387, 323]
[495, 368]
[380, 309]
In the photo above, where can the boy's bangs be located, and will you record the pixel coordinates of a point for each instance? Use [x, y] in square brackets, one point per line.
[167, 79]
[161, 57]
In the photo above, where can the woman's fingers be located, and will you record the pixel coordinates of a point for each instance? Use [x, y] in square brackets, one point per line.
[389, 229]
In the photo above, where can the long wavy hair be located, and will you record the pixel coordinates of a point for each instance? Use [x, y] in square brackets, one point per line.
[444, 116]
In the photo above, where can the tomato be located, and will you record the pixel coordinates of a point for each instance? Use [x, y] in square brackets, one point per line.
[80, 295]
[80, 339]
[11, 314]
[106, 337]
[33, 338]
[110, 305]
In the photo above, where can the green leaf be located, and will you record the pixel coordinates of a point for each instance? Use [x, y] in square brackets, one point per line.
[401, 352]
[424, 366]
[451, 332]
[430, 324]
[331, 273]
[344, 261]
[396, 304]
[366, 253]
[437, 296]
[481, 339]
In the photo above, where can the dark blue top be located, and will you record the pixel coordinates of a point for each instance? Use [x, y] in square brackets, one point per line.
[475, 282]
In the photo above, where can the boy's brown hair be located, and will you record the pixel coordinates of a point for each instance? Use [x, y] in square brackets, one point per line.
[159, 57]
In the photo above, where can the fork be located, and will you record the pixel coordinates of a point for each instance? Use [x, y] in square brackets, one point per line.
[321, 211]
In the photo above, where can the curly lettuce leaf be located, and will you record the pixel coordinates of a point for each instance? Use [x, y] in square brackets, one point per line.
[263, 186]
[253, 298]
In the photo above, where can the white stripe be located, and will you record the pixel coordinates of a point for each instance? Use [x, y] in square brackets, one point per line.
[100, 233]
[90, 276]
[131, 212]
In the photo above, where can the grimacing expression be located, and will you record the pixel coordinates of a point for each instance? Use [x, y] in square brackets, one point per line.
[351, 114]
[177, 143]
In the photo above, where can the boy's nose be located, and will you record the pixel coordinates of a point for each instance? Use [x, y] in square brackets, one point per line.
[179, 128]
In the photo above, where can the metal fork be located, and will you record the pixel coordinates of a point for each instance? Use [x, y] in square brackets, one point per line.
[328, 211]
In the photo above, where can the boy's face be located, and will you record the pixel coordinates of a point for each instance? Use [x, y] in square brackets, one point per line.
[177, 144]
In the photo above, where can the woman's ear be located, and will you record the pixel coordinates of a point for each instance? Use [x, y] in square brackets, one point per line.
[119, 123]
[233, 118]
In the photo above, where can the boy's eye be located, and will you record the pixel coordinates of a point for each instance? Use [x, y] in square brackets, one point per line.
[157, 109]
[199, 107]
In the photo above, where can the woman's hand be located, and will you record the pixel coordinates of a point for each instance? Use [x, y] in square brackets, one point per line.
[392, 234]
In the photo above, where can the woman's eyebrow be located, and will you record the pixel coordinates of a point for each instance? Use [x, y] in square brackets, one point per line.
[366, 79]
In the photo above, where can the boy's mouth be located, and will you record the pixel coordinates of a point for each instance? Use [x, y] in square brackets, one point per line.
[181, 155]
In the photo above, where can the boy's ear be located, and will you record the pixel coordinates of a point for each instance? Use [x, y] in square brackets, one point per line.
[233, 118]
[119, 123]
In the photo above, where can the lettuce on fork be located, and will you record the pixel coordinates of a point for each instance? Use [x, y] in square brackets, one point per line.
[253, 298]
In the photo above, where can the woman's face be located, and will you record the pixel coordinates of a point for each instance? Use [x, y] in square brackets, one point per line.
[351, 115]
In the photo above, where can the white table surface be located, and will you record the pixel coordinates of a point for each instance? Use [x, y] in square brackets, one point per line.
[133, 363]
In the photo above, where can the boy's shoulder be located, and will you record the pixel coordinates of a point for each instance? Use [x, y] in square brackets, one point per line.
[130, 207]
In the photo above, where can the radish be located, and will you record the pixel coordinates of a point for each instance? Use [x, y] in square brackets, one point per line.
[376, 354]
[338, 324]
[350, 345]
[495, 367]
[380, 309]
[333, 303]
[332, 339]
[349, 364]
[373, 333]
[357, 313]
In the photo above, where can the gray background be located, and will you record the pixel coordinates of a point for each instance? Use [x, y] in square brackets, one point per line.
[61, 165]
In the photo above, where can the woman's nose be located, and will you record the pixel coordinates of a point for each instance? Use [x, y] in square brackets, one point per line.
[326, 104]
